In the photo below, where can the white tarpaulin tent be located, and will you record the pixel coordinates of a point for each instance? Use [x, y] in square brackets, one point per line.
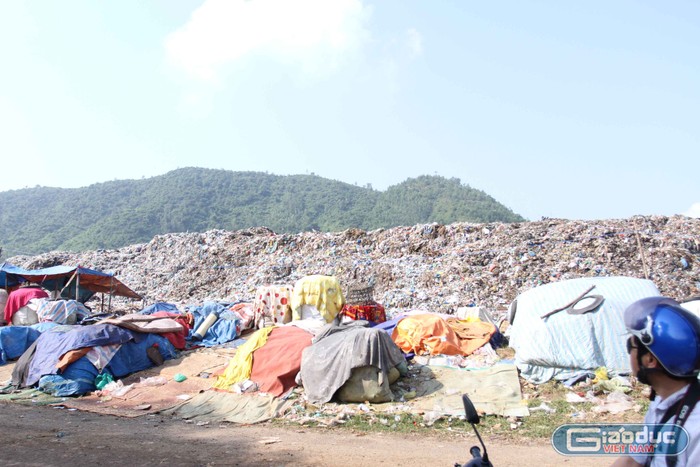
[565, 345]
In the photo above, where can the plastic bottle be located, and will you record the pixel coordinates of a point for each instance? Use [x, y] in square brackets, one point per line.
[198, 335]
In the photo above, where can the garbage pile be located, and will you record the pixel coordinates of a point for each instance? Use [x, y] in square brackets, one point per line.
[432, 267]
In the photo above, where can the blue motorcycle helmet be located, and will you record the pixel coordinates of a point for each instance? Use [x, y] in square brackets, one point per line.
[669, 331]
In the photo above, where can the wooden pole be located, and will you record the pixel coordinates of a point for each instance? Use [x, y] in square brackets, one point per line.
[573, 302]
[641, 250]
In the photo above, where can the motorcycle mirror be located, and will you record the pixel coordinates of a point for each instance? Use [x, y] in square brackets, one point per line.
[469, 410]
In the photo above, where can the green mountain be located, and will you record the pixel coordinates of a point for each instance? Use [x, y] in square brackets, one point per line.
[125, 212]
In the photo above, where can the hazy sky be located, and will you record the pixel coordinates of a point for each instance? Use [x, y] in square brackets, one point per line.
[579, 110]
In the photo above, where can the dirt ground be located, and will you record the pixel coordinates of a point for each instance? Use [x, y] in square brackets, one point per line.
[49, 436]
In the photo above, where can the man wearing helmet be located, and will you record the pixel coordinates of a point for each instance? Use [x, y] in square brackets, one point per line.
[664, 349]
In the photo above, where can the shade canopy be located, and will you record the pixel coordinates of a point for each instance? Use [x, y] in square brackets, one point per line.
[69, 282]
[9, 275]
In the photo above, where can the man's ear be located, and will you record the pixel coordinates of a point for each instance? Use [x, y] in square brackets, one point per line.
[649, 361]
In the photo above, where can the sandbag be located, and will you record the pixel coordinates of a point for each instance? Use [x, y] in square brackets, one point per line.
[27, 315]
[364, 385]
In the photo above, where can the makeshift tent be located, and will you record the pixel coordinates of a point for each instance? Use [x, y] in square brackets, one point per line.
[69, 282]
[569, 344]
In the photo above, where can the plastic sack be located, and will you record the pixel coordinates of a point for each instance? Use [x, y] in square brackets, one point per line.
[103, 379]
[153, 381]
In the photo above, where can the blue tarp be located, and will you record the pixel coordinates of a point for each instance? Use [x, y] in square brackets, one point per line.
[10, 275]
[14, 340]
[131, 357]
[53, 344]
[79, 377]
[226, 329]
[43, 327]
[159, 306]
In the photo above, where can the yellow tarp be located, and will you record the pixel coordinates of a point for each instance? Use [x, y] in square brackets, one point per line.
[241, 364]
[322, 292]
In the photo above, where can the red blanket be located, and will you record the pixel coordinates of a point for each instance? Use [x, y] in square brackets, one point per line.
[20, 297]
[177, 338]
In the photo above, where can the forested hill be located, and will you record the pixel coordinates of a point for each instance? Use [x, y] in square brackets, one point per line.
[126, 212]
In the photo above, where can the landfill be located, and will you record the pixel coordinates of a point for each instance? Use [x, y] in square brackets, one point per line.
[431, 267]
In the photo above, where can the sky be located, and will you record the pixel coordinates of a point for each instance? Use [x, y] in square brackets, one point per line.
[576, 110]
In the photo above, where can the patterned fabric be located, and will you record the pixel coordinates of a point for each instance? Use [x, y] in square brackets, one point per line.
[272, 304]
[246, 313]
[374, 312]
[62, 311]
[322, 292]
[101, 355]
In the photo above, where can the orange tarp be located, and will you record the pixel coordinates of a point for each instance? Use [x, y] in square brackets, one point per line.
[431, 334]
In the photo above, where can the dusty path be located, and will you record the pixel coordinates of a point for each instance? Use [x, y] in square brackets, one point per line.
[55, 437]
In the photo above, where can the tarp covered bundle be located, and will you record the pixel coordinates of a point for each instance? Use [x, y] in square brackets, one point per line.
[65, 360]
[241, 365]
[567, 344]
[328, 363]
[272, 304]
[276, 364]
[19, 298]
[226, 328]
[14, 340]
[62, 311]
[431, 334]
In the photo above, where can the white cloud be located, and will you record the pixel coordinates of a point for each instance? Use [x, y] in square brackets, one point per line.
[694, 210]
[315, 34]
[415, 42]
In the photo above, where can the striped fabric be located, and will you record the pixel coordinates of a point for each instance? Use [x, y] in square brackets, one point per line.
[62, 311]
[565, 346]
